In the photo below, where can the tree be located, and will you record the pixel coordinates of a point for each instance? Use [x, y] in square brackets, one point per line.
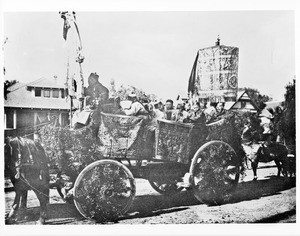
[257, 97]
[289, 117]
[7, 84]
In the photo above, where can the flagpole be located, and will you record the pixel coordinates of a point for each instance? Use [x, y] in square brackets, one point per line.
[71, 101]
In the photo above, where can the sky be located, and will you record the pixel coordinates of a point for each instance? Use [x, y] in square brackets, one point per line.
[153, 50]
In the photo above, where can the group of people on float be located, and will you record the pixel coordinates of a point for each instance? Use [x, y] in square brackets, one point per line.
[97, 96]
[184, 112]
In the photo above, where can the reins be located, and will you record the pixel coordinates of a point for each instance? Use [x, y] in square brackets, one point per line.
[24, 180]
[19, 175]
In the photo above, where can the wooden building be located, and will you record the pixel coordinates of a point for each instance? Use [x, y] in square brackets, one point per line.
[30, 105]
[242, 103]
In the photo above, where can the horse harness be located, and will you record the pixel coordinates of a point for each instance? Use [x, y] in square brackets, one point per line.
[20, 175]
[19, 163]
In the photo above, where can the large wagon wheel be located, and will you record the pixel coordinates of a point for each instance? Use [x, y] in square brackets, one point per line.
[104, 190]
[214, 172]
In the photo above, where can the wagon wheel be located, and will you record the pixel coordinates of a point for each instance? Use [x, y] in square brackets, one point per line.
[165, 188]
[104, 190]
[214, 172]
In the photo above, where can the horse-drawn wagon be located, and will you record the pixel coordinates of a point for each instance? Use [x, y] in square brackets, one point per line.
[203, 158]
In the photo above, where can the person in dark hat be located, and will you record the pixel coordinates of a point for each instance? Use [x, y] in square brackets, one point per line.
[95, 93]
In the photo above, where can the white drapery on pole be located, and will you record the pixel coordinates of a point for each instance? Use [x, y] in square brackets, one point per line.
[75, 80]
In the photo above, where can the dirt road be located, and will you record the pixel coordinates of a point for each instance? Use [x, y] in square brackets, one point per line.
[267, 200]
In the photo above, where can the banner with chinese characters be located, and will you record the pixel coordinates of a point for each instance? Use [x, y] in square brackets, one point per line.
[215, 73]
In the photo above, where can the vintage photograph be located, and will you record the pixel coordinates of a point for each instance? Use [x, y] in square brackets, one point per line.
[149, 117]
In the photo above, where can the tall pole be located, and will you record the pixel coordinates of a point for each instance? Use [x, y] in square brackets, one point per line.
[75, 51]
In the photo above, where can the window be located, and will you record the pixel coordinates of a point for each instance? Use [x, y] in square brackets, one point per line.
[47, 93]
[37, 92]
[243, 104]
[55, 93]
[62, 93]
[9, 119]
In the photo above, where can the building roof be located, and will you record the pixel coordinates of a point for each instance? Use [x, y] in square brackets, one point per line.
[241, 95]
[20, 97]
[45, 83]
[15, 86]
[274, 104]
[228, 105]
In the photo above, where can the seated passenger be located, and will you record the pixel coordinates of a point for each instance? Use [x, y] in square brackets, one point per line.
[196, 115]
[220, 109]
[187, 107]
[210, 112]
[159, 106]
[168, 112]
[154, 114]
[179, 115]
[136, 108]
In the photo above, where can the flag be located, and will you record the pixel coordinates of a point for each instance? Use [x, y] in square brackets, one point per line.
[66, 26]
[192, 79]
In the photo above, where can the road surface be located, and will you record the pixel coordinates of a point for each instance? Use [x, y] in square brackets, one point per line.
[268, 200]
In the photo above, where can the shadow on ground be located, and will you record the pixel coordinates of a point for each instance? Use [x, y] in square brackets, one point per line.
[260, 188]
[154, 205]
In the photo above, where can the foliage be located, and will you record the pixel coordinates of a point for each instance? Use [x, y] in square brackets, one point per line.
[289, 116]
[7, 84]
[123, 92]
[230, 131]
[258, 98]
[242, 118]
[69, 150]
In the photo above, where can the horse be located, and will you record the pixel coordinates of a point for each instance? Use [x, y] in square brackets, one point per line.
[26, 164]
[271, 151]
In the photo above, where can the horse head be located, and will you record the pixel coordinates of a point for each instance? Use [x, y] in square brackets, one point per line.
[12, 152]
